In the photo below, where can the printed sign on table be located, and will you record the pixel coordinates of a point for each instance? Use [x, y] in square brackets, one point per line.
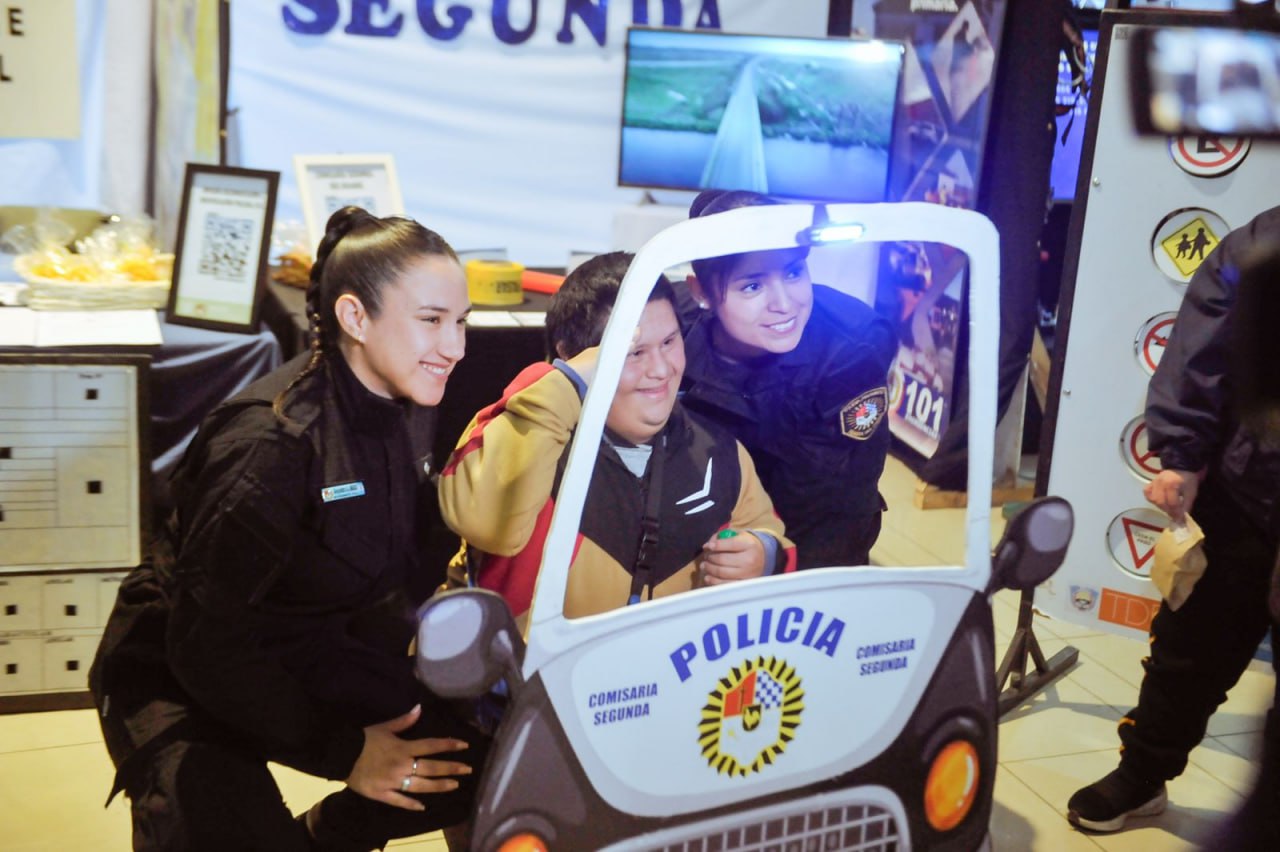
[224, 230]
[329, 182]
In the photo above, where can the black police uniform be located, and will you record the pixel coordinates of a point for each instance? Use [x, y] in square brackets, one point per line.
[813, 420]
[1199, 651]
[278, 626]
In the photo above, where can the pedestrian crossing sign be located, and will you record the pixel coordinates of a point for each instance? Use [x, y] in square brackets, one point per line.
[1188, 246]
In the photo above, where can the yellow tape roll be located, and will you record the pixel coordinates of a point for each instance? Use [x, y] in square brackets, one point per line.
[494, 282]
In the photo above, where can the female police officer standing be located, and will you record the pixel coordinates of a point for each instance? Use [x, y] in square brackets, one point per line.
[797, 372]
[276, 627]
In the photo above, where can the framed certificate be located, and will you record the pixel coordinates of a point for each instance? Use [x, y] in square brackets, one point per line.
[329, 182]
[224, 230]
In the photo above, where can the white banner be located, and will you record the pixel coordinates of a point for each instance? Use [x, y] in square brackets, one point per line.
[503, 117]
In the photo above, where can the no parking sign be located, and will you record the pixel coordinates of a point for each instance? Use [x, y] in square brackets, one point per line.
[1208, 156]
[1133, 446]
[1152, 338]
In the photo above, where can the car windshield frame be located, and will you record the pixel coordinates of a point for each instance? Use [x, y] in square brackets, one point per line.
[780, 227]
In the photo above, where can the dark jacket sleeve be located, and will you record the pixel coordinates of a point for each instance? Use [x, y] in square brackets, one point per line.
[1188, 396]
[240, 523]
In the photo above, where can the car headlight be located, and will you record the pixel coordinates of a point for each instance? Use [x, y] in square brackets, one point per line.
[952, 785]
[523, 842]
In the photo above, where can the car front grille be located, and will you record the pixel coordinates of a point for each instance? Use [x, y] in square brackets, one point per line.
[821, 824]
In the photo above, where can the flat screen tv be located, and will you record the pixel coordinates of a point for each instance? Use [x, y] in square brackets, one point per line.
[802, 118]
[1072, 110]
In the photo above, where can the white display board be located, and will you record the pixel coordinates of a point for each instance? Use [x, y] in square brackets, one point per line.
[71, 463]
[1137, 231]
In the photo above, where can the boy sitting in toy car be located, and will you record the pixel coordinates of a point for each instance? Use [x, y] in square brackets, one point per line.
[674, 501]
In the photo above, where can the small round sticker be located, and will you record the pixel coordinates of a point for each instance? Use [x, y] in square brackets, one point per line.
[1209, 156]
[1183, 239]
[1152, 339]
[1133, 446]
[1131, 539]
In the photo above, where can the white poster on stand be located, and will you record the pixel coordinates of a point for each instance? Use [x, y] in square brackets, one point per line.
[1149, 213]
[326, 184]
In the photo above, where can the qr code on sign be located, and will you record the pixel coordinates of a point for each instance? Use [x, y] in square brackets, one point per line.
[225, 248]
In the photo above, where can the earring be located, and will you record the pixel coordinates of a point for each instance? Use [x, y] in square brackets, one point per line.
[704, 306]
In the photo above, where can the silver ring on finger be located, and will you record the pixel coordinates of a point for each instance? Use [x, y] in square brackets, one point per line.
[414, 770]
[404, 785]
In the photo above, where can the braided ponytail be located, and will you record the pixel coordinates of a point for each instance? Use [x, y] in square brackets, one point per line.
[359, 254]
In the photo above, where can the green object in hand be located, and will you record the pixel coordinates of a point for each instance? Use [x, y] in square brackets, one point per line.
[726, 534]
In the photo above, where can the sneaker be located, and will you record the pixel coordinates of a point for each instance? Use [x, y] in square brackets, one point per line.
[1105, 805]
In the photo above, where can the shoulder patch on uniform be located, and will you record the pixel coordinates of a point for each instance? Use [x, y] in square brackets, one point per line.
[862, 414]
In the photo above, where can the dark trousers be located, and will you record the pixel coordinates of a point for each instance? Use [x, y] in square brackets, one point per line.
[212, 796]
[1199, 651]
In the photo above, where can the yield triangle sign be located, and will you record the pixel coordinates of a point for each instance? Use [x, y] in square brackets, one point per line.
[1142, 539]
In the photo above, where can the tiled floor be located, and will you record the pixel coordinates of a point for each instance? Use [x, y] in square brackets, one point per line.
[54, 771]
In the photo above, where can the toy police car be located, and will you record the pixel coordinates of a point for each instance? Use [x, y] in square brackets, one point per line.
[843, 708]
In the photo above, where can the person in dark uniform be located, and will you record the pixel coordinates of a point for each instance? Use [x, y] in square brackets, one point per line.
[273, 623]
[797, 372]
[1228, 476]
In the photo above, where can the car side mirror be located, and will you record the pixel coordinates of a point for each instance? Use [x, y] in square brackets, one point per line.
[1033, 546]
[467, 642]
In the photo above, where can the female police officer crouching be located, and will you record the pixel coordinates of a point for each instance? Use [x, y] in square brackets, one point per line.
[798, 373]
[273, 624]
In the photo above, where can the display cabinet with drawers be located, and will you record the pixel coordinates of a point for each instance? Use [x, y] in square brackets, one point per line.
[74, 515]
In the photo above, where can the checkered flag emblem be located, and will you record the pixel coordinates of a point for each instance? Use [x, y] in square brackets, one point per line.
[750, 715]
[768, 691]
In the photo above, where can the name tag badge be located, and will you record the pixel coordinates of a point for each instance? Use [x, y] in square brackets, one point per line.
[342, 492]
